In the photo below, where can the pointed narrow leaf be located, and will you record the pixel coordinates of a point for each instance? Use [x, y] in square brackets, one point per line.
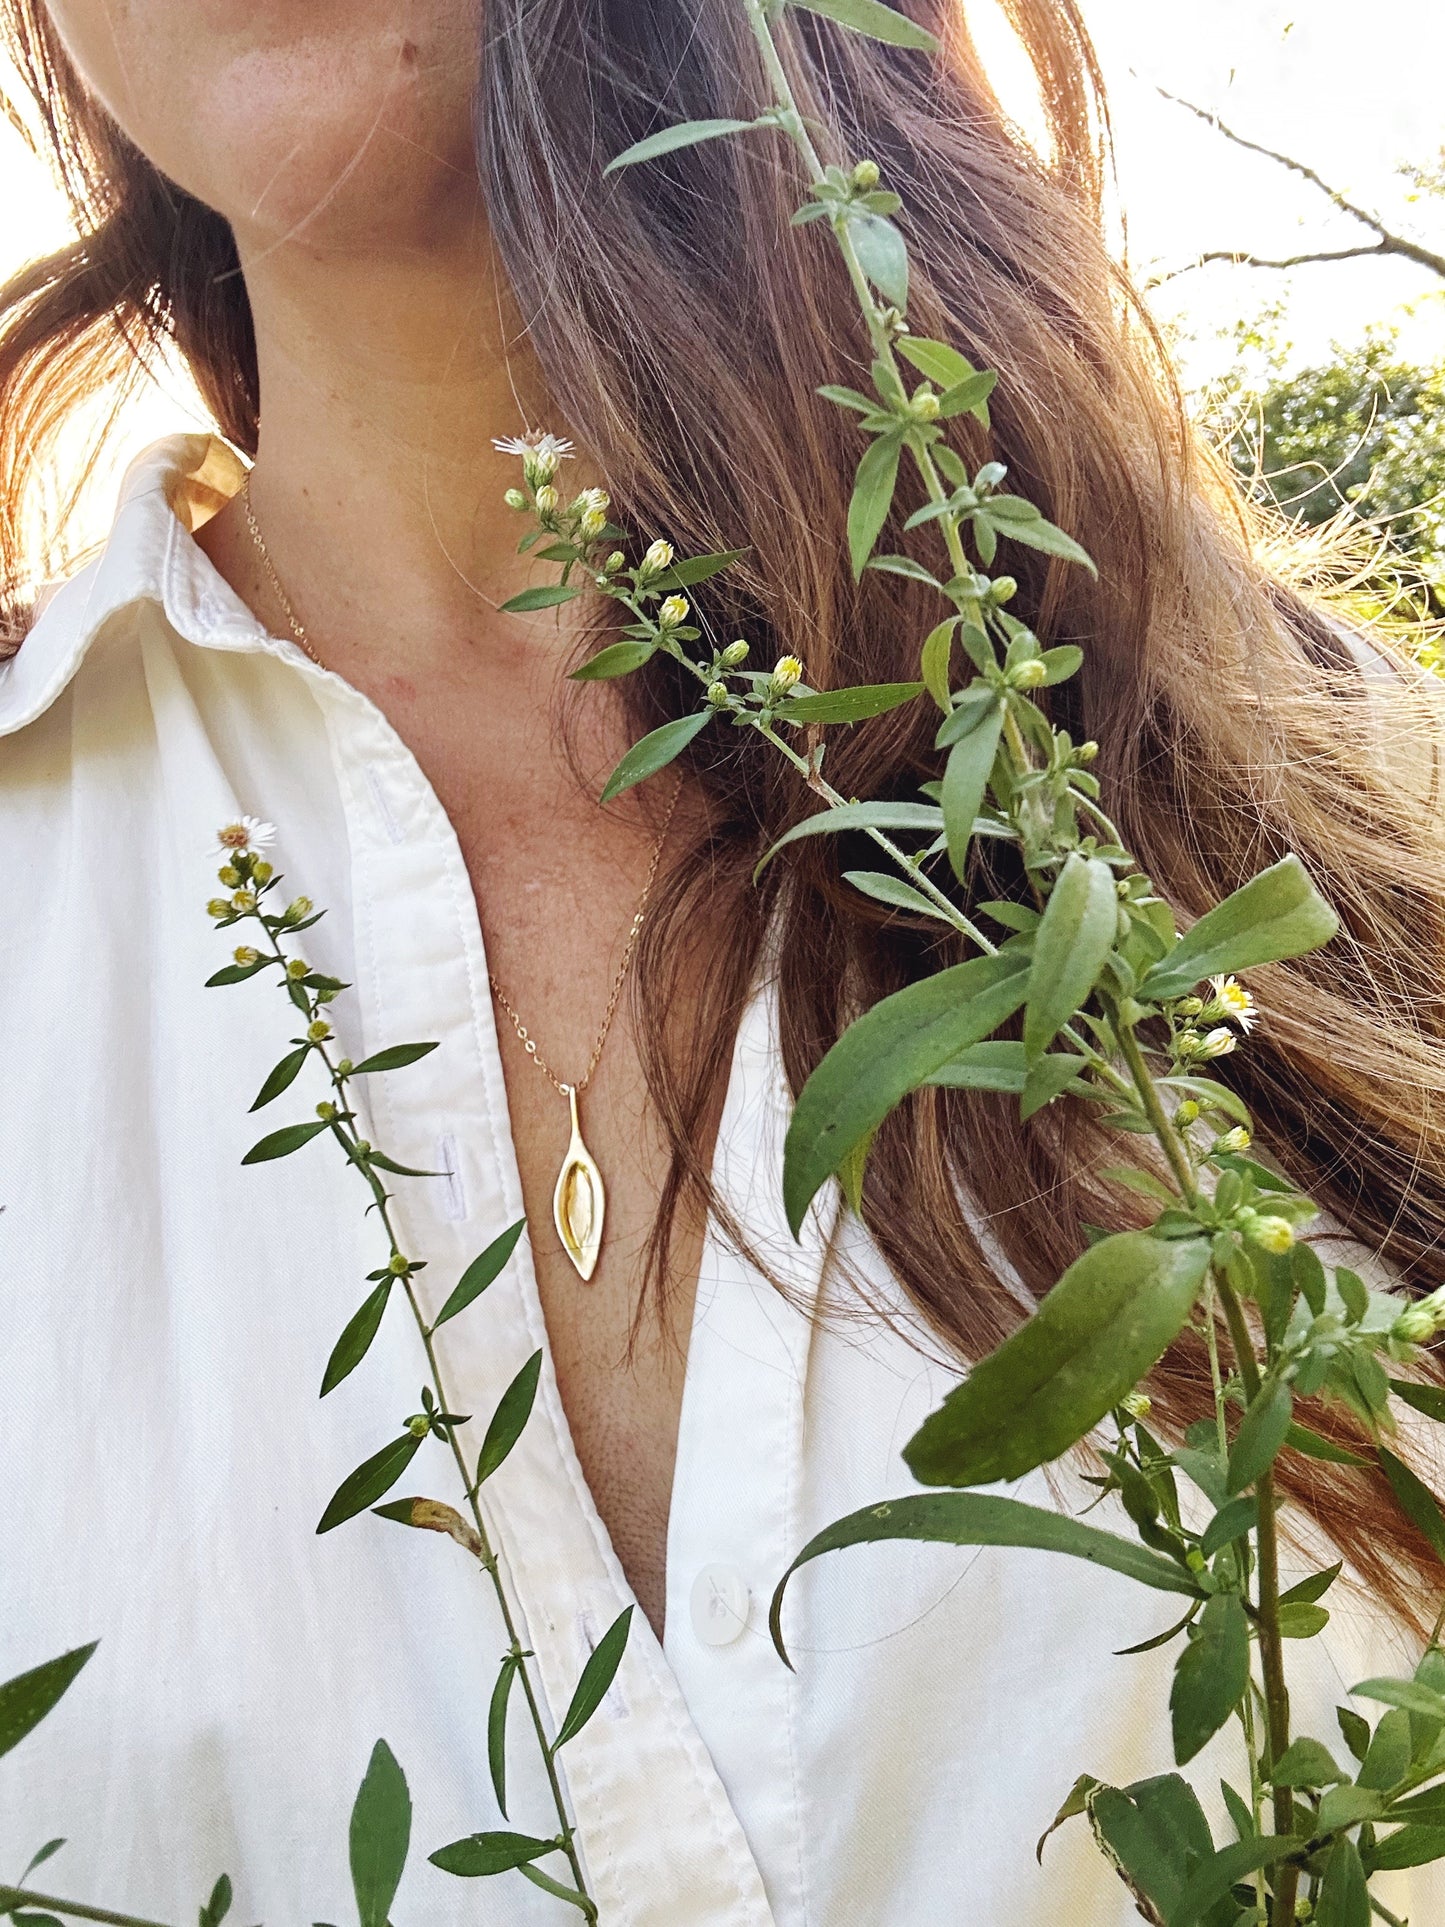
[238, 973]
[380, 1836]
[1344, 1896]
[617, 659]
[509, 1420]
[597, 1675]
[545, 596]
[26, 1699]
[557, 1888]
[369, 1482]
[480, 1272]
[1416, 1501]
[872, 497]
[933, 664]
[1262, 1432]
[998, 1065]
[1052, 541]
[1092, 1339]
[1076, 1803]
[395, 1058]
[1425, 1703]
[1049, 1077]
[1211, 1675]
[969, 396]
[655, 751]
[694, 569]
[848, 705]
[355, 1342]
[892, 890]
[47, 1852]
[887, 1053]
[986, 1519]
[497, 1730]
[1299, 1438]
[219, 1904]
[483, 1853]
[1210, 1883]
[877, 22]
[683, 133]
[965, 779]
[280, 1144]
[1277, 915]
[860, 816]
[283, 1076]
[1429, 1399]
[945, 367]
[1150, 1870]
[1080, 922]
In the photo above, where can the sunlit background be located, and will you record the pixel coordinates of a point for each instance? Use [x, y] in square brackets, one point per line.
[1294, 75]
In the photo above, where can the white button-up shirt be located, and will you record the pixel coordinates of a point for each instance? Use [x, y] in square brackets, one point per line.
[165, 1316]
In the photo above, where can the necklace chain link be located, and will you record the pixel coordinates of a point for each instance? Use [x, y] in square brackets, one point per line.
[528, 1042]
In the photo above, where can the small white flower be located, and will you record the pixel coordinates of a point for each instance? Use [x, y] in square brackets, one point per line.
[539, 442]
[1218, 1043]
[1233, 1001]
[246, 833]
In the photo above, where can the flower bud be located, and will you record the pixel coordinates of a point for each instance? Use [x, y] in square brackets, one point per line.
[1137, 1405]
[866, 175]
[1085, 754]
[1416, 1325]
[787, 671]
[244, 900]
[229, 875]
[1239, 1139]
[735, 653]
[1218, 1043]
[547, 498]
[1029, 675]
[297, 968]
[318, 1032]
[419, 1424]
[1004, 588]
[674, 611]
[397, 1265]
[1189, 1006]
[515, 499]
[1188, 1112]
[1272, 1234]
[244, 955]
[540, 465]
[297, 909]
[326, 1112]
[345, 1067]
[593, 522]
[614, 561]
[261, 871]
[657, 558]
[218, 907]
[925, 405]
[717, 694]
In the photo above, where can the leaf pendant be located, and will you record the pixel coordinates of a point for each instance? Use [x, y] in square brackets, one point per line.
[579, 1201]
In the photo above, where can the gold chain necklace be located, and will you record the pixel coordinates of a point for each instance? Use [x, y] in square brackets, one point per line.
[579, 1198]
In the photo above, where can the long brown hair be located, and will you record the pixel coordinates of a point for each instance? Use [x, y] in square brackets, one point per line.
[684, 329]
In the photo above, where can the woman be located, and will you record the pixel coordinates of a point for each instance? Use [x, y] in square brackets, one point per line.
[379, 235]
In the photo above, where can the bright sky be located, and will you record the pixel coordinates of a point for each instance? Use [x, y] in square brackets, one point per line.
[1302, 75]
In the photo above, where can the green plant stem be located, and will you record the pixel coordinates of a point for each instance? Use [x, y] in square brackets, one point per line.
[489, 1559]
[12, 1897]
[1170, 1142]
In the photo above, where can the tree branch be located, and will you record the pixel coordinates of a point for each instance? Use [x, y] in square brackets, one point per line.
[1388, 243]
[1240, 260]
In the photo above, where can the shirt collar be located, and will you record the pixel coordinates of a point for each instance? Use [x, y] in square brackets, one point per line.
[167, 494]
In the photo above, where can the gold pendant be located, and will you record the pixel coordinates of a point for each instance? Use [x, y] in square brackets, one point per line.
[579, 1201]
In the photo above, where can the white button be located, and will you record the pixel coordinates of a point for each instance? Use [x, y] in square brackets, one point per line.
[719, 1605]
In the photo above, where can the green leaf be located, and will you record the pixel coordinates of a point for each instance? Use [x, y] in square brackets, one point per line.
[1355, 1730]
[933, 662]
[945, 367]
[1299, 1438]
[1429, 1399]
[1307, 1763]
[1052, 541]
[859, 816]
[872, 497]
[355, 1342]
[497, 1730]
[875, 21]
[965, 780]
[1302, 1621]
[1313, 1588]
[480, 1272]
[617, 659]
[26, 1699]
[1210, 1882]
[998, 1065]
[1061, 663]
[558, 1889]
[48, 1852]
[1277, 915]
[1231, 1522]
[283, 1076]
[683, 133]
[1347, 1806]
[238, 973]
[380, 1836]
[280, 1144]
[369, 1482]
[656, 750]
[483, 1853]
[1080, 922]
[1048, 1078]
[986, 1519]
[546, 595]
[1387, 1758]
[219, 1904]
[969, 396]
[1408, 1693]
[385, 1163]
[1344, 1896]
[1092, 1339]
[882, 254]
[1410, 1847]
[597, 1675]
[1262, 1432]
[848, 705]
[1076, 1803]
[1145, 1862]
[892, 890]
[886, 1054]
[509, 1420]
[396, 1058]
[1211, 1676]
[694, 569]
[1416, 1501]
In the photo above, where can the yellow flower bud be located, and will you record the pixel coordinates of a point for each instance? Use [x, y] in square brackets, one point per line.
[735, 653]
[326, 1112]
[717, 694]
[614, 561]
[1238, 1139]
[547, 498]
[1030, 674]
[674, 611]
[657, 558]
[866, 175]
[593, 522]
[1137, 1405]
[244, 900]
[244, 954]
[297, 968]
[397, 1265]
[1003, 589]
[1272, 1234]
[1187, 1113]
[318, 1032]
[218, 907]
[262, 872]
[229, 875]
[926, 404]
[786, 672]
[299, 908]
[1416, 1325]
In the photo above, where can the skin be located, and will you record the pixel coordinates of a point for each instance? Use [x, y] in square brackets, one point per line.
[335, 136]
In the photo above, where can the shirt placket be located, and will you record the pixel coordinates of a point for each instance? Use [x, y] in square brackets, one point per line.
[662, 1845]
